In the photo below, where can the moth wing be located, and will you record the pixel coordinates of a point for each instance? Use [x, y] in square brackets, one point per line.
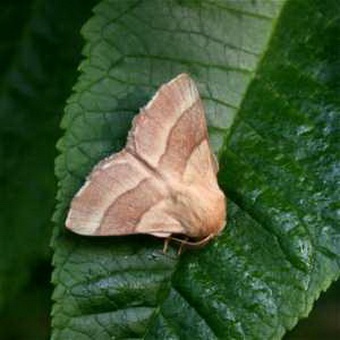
[170, 135]
[170, 128]
[130, 192]
[115, 198]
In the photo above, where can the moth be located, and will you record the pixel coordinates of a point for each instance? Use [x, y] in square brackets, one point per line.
[163, 182]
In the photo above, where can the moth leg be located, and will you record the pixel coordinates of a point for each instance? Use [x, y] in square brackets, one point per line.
[166, 244]
[184, 241]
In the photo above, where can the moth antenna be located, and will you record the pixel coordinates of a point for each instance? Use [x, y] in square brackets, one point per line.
[193, 244]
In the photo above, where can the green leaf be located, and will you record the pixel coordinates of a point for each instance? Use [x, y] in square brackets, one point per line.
[267, 76]
[38, 61]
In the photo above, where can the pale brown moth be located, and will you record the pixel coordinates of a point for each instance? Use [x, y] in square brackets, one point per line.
[163, 182]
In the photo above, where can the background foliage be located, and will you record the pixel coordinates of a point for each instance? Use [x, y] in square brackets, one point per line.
[40, 51]
[275, 259]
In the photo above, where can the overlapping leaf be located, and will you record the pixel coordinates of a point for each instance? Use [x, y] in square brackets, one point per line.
[38, 60]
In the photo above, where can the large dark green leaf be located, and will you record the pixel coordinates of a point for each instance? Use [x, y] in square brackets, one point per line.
[271, 106]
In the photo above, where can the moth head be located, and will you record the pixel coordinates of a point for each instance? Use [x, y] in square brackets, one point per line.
[201, 211]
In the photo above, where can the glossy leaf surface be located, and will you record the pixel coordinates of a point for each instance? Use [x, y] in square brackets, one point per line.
[267, 75]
